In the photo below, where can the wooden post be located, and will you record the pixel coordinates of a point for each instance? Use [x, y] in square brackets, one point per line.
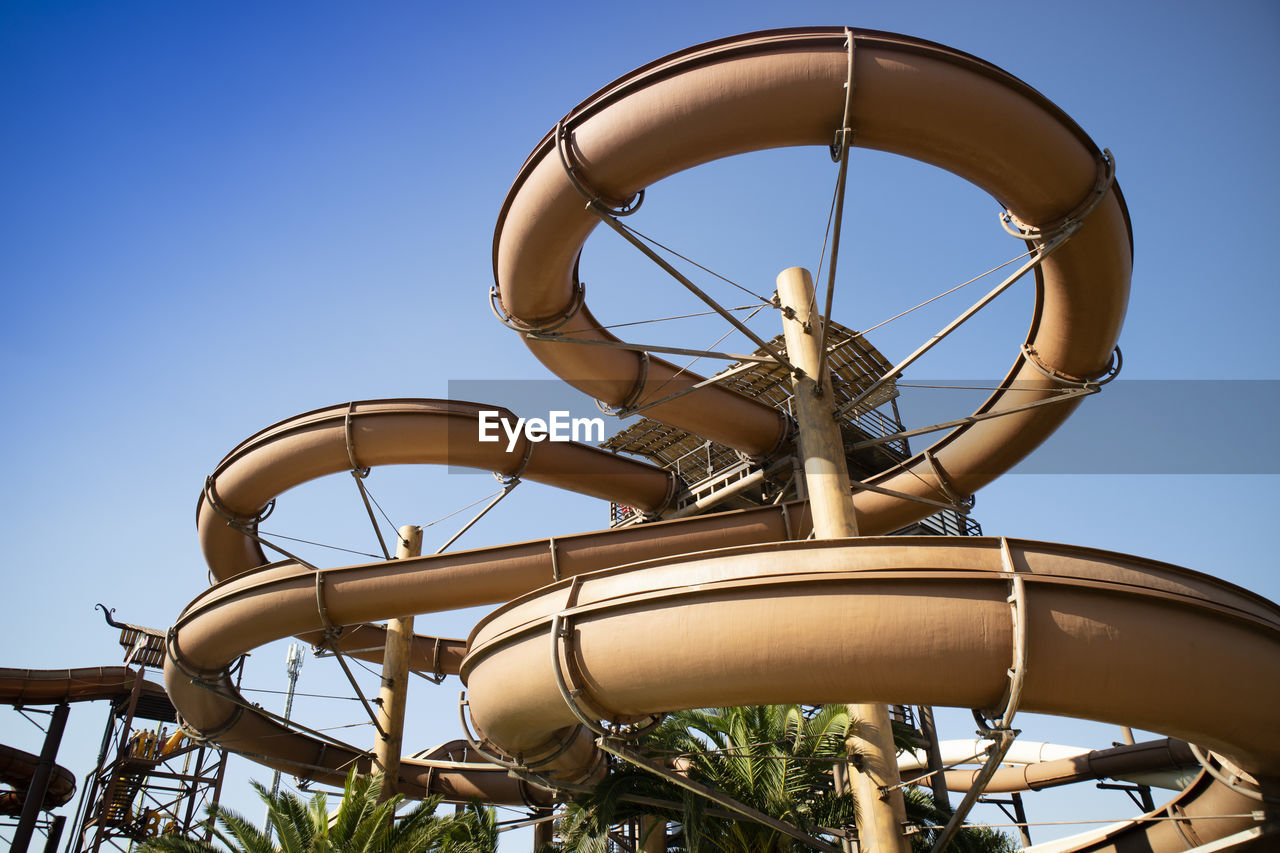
[543, 833]
[395, 679]
[653, 834]
[881, 817]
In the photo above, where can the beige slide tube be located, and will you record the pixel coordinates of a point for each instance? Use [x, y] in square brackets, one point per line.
[786, 87]
[1109, 637]
[726, 609]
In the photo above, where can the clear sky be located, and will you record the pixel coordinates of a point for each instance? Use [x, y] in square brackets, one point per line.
[215, 216]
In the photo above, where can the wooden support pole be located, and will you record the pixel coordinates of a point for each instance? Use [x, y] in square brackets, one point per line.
[653, 834]
[881, 817]
[395, 679]
[544, 834]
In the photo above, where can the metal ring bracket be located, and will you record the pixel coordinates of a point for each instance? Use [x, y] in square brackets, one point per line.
[586, 712]
[1001, 732]
[233, 520]
[845, 134]
[1232, 781]
[580, 183]
[1066, 380]
[482, 746]
[330, 630]
[944, 485]
[1018, 614]
[514, 477]
[356, 470]
[624, 409]
[175, 657]
[576, 300]
[1105, 177]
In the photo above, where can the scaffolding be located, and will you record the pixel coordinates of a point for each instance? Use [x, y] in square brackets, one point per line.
[150, 778]
[713, 474]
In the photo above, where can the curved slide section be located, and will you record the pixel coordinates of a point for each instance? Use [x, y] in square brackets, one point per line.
[272, 602]
[16, 769]
[1158, 647]
[53, 687]
[783, 88]
[395, 432]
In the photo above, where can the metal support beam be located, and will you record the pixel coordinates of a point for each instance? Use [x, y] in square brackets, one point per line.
[558, 338]
[974, 418]
[627, 234]
[845, 139]
[506, 490]
[34, 802]
[1018, 815]
[1030, 264]
[54, 833]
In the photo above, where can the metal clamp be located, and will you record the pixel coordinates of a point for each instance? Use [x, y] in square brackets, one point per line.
[357, 470]
[574, 173]
[1000, 732]
[555, 563]
[962, 504]
[513, 478]
[587, 713]
[845, 134]
[1017, 601]
[625, 408]
[1106, 175]
[576, 300]
[490, 752]
[331, 631]
[1110, 372]
[1232, 780]
[237, 521]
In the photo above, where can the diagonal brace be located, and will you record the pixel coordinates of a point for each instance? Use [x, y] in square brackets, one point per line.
[1031, 263]
[623, 751]
[627, 234]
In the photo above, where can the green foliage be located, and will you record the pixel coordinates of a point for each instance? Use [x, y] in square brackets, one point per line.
[776, 759]
[359, 825]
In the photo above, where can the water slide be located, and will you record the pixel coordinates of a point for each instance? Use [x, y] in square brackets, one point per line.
[17, 768]
[737, 608]
[1032, 766]
[53, 687]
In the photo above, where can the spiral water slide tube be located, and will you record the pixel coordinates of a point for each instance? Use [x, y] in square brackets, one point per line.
[53, 687]
[729, 608]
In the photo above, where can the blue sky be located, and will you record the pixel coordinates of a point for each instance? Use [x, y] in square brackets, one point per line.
[215, 216]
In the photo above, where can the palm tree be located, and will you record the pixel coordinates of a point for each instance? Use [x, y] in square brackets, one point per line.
[361, 824]
[777, 759]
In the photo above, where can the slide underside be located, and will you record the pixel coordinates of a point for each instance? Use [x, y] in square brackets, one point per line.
[16, 769]
[735, 608]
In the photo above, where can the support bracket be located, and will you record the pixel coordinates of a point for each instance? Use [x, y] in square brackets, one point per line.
[1000, 732]
[574, 695]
